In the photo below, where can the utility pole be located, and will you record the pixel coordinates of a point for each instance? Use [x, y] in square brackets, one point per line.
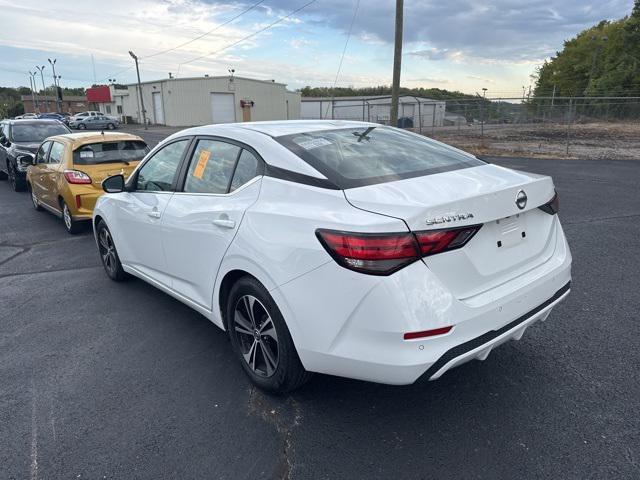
[33, 97]
[397, 63]
[34, 90]
[55, 82]
[484, 96]
[46, 100]
[144, 114]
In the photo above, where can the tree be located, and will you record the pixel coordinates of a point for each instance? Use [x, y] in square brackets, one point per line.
[601, 60]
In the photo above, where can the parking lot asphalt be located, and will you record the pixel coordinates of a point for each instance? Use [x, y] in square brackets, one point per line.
[105, 380]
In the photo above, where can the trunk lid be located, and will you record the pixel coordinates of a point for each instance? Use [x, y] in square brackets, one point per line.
[512, 240]
[98, 172]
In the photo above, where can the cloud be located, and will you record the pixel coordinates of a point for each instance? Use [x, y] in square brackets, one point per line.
[517, 30]
[480, 79]
[438, 54]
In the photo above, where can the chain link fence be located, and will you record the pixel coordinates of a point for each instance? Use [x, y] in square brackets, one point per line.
[555, 127]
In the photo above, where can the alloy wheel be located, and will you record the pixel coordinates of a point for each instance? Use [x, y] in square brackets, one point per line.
[107, 250]
[34, 199]
[66, 215]
[256, 334]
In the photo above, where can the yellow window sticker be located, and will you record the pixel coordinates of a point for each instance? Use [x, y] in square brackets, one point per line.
[203, 158]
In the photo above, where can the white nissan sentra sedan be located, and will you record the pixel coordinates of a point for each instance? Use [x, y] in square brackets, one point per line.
[344, 248]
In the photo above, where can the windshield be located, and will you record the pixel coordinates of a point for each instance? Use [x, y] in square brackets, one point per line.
[36, 132]
[110, 152]
[353, 157]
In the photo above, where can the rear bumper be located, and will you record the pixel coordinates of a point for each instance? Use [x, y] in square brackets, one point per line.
[352, 325]
[480, 347]
[81, 200]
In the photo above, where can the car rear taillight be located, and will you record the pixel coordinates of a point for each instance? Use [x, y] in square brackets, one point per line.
[552, 206]
[77, 177]
[383, 254]
[375, 254]
[438, 241]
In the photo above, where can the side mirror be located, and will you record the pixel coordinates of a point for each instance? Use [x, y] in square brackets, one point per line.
[26, 161]
[113, 184]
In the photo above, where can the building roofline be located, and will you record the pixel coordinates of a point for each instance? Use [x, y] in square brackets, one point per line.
[211, 77]
[367, 97]
[69, 98]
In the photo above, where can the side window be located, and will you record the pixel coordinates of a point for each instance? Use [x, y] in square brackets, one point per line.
[158, 173]
[56, 153]
[41, 156]
[245, 171]
[211, 167]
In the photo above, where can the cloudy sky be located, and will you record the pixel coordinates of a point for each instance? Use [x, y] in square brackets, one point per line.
[453, 44]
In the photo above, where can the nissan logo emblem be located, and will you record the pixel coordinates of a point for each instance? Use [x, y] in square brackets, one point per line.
[521, 199]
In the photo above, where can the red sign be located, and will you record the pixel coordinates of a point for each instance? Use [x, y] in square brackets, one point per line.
[100, 94]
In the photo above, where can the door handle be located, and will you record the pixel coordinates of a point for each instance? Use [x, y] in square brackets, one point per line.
[224, 223]
[154, 214]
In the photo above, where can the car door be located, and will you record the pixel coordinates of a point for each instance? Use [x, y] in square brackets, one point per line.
[38, 172]
[138, 213]
[4, 134]
[202, 219]
[51, 174]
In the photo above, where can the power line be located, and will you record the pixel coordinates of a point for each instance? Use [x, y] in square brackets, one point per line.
[248, 36]
[344, 50]
[204, 34]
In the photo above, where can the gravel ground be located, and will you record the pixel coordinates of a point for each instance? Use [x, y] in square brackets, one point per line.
[105, 380]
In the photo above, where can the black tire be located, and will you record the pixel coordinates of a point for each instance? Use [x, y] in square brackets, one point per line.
[109, 254]
[3, 175]
[81, 126]
[111, 126]
[17, 184]
[72, 226]
[281, 374]
[34, 199]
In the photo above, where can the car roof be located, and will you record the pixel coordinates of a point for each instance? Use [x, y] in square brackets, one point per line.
[278, 128]
[260, 136]
[78, 139]
[32, 121]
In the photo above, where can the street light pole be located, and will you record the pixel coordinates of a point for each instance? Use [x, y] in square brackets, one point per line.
[34, 91]
[397, 63]
[144, 114]
[55, 82]
[33, 97]
[46, 101]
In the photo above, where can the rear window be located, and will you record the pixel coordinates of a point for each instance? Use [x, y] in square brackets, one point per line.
[353, 157]
[110, 152]
[36, 132]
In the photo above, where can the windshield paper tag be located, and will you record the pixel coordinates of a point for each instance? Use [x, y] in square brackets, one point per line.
[86, 153]
[315, 143]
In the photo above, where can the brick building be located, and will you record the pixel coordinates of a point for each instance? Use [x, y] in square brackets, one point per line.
[71, 104]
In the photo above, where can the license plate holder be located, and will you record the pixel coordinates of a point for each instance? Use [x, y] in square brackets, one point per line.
[511, 231]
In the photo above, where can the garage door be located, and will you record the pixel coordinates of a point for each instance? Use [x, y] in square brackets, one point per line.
[223, 107]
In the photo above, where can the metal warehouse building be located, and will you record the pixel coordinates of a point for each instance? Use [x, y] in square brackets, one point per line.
[413, 111]
[182, 102]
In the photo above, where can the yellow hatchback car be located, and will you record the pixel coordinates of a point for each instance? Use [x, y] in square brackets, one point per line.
[67, 172]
